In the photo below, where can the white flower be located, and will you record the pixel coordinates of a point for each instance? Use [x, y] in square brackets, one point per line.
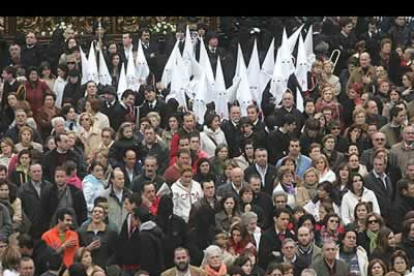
[164, 32]
[51, 33]
[158, 24]
[165, 27]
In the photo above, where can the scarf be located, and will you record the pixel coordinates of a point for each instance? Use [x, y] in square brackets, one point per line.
[372, 240]
[212, 272]
[290, 189]
[312, 189]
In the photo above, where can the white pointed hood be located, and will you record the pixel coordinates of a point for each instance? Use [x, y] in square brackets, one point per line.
[104, 75]
[122, 84]
[84, 62]
[141, 65]
[294, 38]
[169, 66]
[179, 82]
[92, 65]
[309, 48]
[205, 63]
[267, 67]
[253, 74]
[221, 98]
[201, 99]
[244, 95]
[188, 52]
[301, 73]
[131, 74]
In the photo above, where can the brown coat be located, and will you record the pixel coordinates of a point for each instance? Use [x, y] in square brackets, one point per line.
[194, 271]
[358, 75]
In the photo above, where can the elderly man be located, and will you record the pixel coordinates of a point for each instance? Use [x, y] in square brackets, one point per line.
[402, 152]
[378, 141]
[235, 185]
[329, 265]
[364, 74]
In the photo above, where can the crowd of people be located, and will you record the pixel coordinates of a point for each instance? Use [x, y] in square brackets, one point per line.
[93, 185]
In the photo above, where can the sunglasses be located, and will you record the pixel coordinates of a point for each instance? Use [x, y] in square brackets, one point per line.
[334, 220]
[380, 139]
[373, 221]
[71, 62]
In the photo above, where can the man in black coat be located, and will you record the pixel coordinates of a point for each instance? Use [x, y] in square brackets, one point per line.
[21, 119]
[125, 110]
[36, 249]
[346, 41]
[261, 199]
[271, 240]
[63, 196]
[126, 48]
[149, 174]
[109, 102]
[150, 49]
[31, 53]
[151, 146]
[59, 156]
[282, 135]
[380, 183]
[288, 107]
[31, 194]
[403, 203]
[232, 132]
[153, 104]
[9, 75]
[261, 167]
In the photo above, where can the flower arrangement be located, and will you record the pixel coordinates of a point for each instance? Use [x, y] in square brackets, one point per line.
[163, 28]
[59, 26]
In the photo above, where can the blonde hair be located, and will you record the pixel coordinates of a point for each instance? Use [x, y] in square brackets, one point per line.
[86, 114]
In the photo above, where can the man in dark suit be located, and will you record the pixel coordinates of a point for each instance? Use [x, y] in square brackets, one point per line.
[282, 135]
[153, 104]
[131, 167]
[125, 110]
[109, 103]
[261, 199]
[58, 198]
[31, 54]
[232, 132]
[234, 186]
[253, 114]
[372, 114]
[9, 75]
[150, 49]
[262, 167]
[270, 247]
[31, 194]
[378, 182]
[213, 52]
[126, 48]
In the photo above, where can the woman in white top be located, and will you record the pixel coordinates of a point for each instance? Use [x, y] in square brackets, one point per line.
[357, 193]
[212, 134]
[100, 120]
[185, 192]
[60, 83]
[325, 172]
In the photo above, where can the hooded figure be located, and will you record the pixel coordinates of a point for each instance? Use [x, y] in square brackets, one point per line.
[73, 89]
[173, 227]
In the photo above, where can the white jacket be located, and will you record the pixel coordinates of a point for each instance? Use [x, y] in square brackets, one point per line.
[329, 176]
[206, 139]
[58, 88]
[313, 209]
[349, 201]
[362, 260]
[183, 198]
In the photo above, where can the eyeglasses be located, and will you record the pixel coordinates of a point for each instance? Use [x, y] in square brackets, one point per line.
[335, 128]
[380, 139]
[373, 221]
[334, 220]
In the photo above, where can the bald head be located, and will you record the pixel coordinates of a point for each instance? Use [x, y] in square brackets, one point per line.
[237, 175]
[365, 60]
[378, 140]
[304, 237]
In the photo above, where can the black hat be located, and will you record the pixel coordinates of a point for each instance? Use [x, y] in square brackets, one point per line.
[211, 35]
[245, 121]
[143, 214]
[109, 89]
[73, 73]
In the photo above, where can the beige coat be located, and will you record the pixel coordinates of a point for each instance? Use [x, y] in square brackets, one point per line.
[91, 140]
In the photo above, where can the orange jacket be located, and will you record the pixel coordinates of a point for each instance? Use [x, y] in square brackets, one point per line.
[52, 239]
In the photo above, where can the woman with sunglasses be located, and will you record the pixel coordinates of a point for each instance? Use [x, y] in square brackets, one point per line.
[353, 254]
[368, 239]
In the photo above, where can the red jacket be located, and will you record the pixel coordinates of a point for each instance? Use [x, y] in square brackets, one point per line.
[34, 95]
